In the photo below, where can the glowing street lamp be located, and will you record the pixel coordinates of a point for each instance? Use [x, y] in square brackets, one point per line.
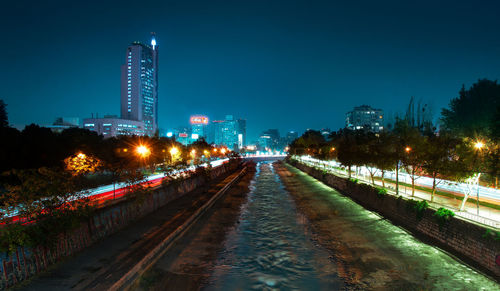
[223, 150]
[143, 151]
[408, 149]
[174, 151]
[193, 153]
[479, 145]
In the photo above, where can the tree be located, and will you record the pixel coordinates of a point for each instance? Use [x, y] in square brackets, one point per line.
[414, 144]
[349, 149]
[4, 120]
[472, 113]
[386, 153]
[438, 156]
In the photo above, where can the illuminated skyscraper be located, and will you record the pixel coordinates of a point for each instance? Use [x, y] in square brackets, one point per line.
[139, 88]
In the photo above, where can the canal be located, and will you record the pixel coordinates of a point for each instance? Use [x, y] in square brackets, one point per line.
[310, 237]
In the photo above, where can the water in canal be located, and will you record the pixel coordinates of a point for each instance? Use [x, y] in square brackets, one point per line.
[273, 248]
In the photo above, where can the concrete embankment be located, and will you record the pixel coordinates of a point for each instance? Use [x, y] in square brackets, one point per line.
[188, 264]
[27, 262]
[475, 244]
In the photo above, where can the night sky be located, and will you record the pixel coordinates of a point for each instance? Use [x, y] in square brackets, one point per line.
[289, 65]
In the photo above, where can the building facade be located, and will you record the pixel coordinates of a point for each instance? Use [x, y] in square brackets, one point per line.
[229, 132]
[365, 117]
[139, 85]
[112, 126]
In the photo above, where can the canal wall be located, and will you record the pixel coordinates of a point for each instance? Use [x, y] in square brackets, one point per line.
[474, 244]
[26, 262]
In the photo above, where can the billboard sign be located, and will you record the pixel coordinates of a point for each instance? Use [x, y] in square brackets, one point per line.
[183, 135]
[199, 119]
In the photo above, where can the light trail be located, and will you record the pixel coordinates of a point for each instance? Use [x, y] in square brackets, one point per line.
[105, 193]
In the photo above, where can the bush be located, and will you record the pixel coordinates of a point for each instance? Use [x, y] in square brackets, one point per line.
[443, 215]
[381, 192]
[491, 234]
[353, 180]
[418, 206]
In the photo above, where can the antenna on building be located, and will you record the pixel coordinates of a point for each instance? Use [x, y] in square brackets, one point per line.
[153, 40]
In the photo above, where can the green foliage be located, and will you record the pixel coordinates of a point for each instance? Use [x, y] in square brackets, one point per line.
[443, 215]
[418, 207]
[491, 234]
[46, 231]
[354, 180]
[4, 120]
[381, 192]
[472, 113]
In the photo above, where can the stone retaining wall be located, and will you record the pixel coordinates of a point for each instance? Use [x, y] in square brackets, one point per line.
[470, 242]
[26, 262]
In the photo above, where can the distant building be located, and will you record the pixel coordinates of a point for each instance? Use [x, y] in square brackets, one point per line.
[291, 136]
[325, 132]
[229, 132]
[62, 123]
[199, 127]
[269, 140]
[242, 132]
[111, 126]
[365, 117]
[139, 85]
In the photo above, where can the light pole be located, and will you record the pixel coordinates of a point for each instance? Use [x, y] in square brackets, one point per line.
[478, 146]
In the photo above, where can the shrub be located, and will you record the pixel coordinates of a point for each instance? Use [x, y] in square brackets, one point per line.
[420, 208]
[443, 215]
[353, 180]
[491, 234]
[381, 191]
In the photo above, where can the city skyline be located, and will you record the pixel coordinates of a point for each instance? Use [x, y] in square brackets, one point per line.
[291, 66]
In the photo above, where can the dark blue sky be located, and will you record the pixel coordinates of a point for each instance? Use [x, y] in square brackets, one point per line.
[290, 65]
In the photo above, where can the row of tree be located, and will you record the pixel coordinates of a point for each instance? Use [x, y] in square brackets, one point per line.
[458, 151]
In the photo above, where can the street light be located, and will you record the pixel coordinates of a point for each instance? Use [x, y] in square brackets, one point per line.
[143, 151]
[408, 149]
[479, 145]
[174, 151]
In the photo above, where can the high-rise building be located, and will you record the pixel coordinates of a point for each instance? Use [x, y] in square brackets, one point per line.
[242, 132]
[269, 140]
[365, 117]
[229, 132]
[199, 124]
[139, 85]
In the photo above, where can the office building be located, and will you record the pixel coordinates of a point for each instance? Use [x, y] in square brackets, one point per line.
[111, 126]
[269, 140]
[229, 132]
[139, 85]
[365, 117]
[199, 127]
[242, 132]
